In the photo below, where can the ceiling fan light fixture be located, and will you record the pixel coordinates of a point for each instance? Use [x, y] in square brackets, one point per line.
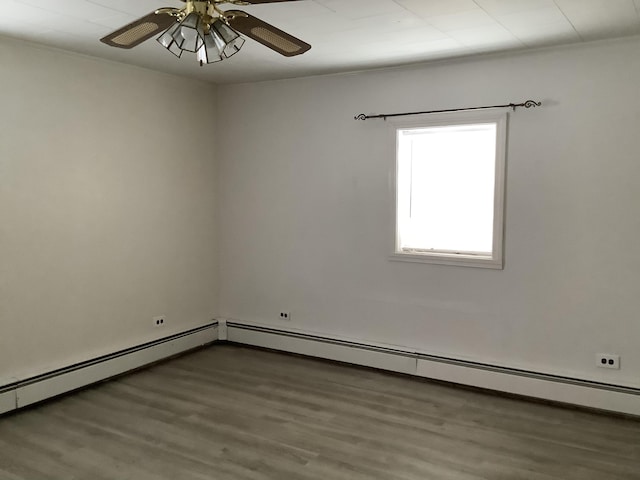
[231, 39]
[234, 47]
[210, 52]
[167, 41]
[203, 28]
[190, 33]
[213, 41]
[217, 40]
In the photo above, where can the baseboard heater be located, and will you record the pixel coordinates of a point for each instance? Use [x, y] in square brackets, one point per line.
[27, 391]
[19, 393]
[556, 388]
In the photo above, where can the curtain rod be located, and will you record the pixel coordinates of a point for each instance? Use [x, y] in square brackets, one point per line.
[527, 104]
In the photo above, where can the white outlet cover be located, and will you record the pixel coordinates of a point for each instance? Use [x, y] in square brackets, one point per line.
[159, 321]
[608, 360]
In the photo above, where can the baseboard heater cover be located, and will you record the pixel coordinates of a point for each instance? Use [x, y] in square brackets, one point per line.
[18, 393]
[27, 391]
[587, 393]
[8, 401]
[384, 358]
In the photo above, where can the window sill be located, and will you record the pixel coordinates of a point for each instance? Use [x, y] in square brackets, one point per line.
[459, 260]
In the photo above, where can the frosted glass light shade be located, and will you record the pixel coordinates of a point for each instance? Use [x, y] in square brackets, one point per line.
[211, 43]
[190, 33]
[210, 52]
[232, 39]
[167, 41]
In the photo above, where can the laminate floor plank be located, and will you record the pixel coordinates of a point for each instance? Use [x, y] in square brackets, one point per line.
[236, 413]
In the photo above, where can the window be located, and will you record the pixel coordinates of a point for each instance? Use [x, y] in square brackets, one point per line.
[449, 189]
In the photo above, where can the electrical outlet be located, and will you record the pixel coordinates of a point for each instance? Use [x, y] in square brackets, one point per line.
[285, 316]
[608, 360]
[159, 321]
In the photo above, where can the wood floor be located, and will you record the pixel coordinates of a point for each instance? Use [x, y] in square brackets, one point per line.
[229, 412]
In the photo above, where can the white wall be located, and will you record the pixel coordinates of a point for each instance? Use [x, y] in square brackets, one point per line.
[107, 199]
[305, 211]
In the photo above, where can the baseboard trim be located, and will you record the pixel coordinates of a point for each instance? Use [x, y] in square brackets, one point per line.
[27, 391]
[540, 385]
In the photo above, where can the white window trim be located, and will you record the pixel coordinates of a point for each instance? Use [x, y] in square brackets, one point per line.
[494, 261]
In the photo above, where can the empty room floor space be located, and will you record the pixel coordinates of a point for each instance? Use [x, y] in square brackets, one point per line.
[230, 412]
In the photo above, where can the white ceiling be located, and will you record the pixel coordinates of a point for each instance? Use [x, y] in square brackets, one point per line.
[346, 35]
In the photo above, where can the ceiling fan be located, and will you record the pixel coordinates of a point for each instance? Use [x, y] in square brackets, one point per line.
[202, 27]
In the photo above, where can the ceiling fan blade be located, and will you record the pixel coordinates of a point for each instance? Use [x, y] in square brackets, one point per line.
[266, 34]
[142, 29]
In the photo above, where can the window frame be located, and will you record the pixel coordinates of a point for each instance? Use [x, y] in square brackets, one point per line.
[496, 259]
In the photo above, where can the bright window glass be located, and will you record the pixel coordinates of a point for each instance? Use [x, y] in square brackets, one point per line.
[447, 202]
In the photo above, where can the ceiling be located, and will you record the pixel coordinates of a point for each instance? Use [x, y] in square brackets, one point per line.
[346, 35]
